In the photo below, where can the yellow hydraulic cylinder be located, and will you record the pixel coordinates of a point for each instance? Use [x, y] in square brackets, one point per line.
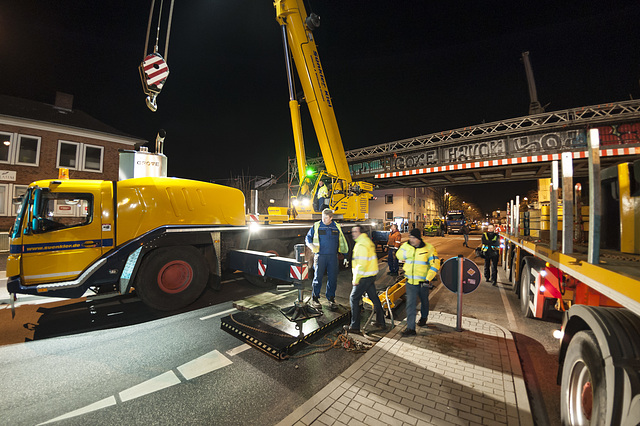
[629, 217]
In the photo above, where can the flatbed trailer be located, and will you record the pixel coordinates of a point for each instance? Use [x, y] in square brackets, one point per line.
[598, 290]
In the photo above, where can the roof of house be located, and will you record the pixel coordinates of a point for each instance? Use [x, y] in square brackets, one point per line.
[38, 111]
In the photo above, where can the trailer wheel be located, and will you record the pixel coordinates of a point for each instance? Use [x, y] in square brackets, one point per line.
[583, 382]
[525, 290]
[171, 278]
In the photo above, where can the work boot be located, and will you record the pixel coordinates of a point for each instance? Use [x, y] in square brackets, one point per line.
[408, 332]
[333, 305]
[494, 282]
[422, 322]
[378, 326]
[315, 302]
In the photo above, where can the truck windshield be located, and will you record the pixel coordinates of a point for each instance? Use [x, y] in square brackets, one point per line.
[22, 208]
[455, 216]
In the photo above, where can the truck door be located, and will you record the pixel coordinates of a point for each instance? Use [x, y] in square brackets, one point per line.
[62, 236]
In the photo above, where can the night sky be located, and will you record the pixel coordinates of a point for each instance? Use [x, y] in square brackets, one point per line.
[394, 69]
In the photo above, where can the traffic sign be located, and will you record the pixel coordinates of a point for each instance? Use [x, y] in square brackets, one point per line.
[471, 276]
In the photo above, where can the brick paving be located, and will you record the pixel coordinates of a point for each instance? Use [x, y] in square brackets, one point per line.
[439, 377]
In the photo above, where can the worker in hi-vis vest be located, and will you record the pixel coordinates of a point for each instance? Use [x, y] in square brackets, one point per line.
[323, 195]
[325, 239]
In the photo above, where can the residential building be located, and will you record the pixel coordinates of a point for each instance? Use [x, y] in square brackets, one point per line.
[37, 139]
[410, 206]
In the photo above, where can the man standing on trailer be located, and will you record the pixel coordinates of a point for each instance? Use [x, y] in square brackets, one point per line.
[325, 239]
[491, 250]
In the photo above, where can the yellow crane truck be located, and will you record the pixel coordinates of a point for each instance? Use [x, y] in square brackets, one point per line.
[596, 285]
[168, 237]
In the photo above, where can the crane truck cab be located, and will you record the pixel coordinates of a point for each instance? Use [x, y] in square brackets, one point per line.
[70, 236]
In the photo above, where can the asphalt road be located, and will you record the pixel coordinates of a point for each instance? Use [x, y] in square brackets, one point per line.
[115, 360]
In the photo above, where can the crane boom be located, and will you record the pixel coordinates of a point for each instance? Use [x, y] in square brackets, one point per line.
[292, 15]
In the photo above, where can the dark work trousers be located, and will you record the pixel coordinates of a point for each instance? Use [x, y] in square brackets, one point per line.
[325, 263]
[393, 260]
[491, 260]
[366, 285]
[415, 292]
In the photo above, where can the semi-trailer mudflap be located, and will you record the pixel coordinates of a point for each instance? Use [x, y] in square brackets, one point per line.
[281, 325]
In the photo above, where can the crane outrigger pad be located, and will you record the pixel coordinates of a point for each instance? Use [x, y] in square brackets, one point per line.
[266, 327]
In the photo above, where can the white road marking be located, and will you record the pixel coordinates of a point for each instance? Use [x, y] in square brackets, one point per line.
[228, 311]
[107, 402]
[238, 349]
[160, 382]
[203, 365]
[199, 366]
[513, 326]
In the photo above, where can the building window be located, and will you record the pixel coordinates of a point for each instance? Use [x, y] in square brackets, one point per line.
[388, 199]
[79, 156]
[18, 192]
[409, 200]
[68, 155]
[28, 150]
[409, 216]
[5, 147]
[388, 215]
[4, 201]
[93, 158]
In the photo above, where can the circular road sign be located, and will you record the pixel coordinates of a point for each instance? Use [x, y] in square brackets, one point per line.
[471, 276]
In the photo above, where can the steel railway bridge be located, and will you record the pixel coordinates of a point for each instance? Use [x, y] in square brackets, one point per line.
[520, 148]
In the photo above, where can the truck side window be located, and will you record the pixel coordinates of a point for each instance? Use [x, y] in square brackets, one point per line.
[60, 210]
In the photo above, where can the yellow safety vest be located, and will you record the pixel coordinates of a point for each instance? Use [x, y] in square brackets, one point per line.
[420, 264]
[364, 262]
[323, 192]
[343, 246]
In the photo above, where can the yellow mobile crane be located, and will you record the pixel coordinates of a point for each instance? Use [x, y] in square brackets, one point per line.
[168, 238]
[348, 199]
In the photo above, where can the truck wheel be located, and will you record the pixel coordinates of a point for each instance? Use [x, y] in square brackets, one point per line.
[525, 290]
[171, 278]
[583, 382]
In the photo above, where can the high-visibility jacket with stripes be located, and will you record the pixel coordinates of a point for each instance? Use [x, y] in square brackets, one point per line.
[420, 264]
[323, 192]
[328, 235]
[364, 261]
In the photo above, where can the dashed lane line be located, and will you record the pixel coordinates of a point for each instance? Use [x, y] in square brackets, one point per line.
[238, 349]
[228, 311]
[157, 383]
[203, 365]
[207, 363]
[104, 403]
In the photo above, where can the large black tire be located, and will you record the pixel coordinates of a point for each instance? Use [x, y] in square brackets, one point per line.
[171, 278]
[525, 290]
[583, 388]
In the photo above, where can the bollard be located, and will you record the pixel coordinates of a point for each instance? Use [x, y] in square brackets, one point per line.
[459, 318]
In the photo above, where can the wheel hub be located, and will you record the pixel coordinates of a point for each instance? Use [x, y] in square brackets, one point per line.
[175, 277]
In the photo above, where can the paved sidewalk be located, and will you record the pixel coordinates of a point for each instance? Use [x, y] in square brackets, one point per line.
[439, 377]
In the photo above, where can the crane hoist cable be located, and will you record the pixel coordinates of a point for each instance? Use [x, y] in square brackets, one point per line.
[154, 69]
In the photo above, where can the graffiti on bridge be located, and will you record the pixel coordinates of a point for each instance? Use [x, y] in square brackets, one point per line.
[544, 143]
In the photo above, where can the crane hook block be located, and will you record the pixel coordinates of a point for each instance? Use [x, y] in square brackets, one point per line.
[153, 73]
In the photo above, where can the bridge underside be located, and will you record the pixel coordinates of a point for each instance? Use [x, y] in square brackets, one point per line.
[479, 175]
